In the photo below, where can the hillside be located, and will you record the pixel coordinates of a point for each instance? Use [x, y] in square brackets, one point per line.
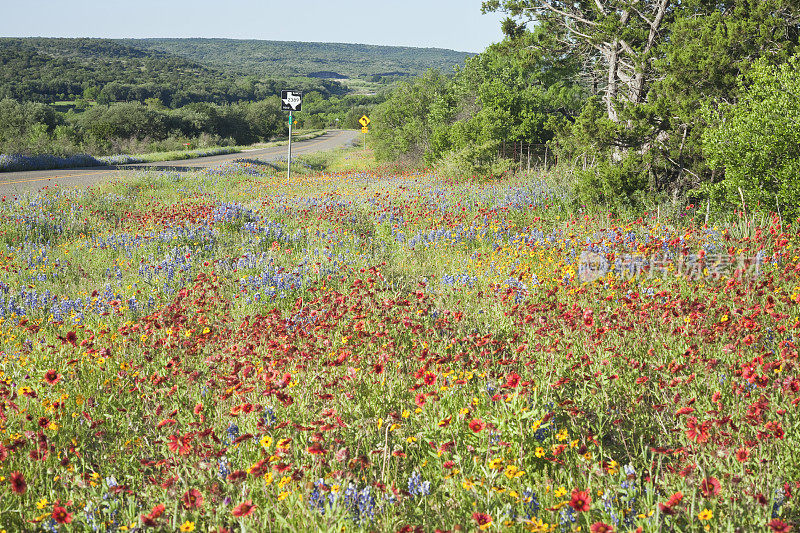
[53, 69]
[323, 60]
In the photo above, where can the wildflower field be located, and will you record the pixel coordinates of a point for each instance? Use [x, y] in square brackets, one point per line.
[368, 348]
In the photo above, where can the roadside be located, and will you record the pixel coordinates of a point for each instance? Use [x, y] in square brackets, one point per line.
[17, 163]
[16, 183]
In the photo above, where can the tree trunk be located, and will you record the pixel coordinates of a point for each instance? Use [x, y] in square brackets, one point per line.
[611, 89]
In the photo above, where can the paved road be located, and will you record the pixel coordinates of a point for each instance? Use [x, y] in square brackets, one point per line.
[15, 183]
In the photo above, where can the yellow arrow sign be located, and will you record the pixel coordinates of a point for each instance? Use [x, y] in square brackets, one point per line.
[364, 121]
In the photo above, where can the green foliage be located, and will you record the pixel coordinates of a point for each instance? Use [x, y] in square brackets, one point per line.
[510, 93]
[616, 185]
[107, 71]
[299, 59]
[402, 124]
[655, 75]
[115, 96]
[757, 141]
[24, 123]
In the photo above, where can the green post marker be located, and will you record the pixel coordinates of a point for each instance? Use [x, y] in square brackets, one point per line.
[289, 160]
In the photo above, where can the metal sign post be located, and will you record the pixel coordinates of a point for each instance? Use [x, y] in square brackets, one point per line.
[291, 101]
[289, 158]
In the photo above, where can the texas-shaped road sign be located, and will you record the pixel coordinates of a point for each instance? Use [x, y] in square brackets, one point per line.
[291, 100]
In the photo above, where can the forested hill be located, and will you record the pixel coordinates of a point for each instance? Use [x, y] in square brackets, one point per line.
[324, 60]
[53, 69]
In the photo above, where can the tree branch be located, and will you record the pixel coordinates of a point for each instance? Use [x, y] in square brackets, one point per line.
[567, 14]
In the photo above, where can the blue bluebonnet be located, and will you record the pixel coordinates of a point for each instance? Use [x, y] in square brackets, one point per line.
[418, 486]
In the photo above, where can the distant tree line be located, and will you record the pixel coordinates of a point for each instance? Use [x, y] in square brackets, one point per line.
[66, 96]
[281, 58]
[52, 70]
[136, 127]
[643, 101]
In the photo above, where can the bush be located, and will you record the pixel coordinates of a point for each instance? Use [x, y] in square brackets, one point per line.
[481, 160]
[757, 141]
[619, 185]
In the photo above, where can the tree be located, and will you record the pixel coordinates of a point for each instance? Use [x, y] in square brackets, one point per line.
[757, 141]
[401, 124]
[265, 117]
[620, 36]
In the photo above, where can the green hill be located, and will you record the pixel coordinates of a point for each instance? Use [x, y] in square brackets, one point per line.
[324, 60]
[55, 69]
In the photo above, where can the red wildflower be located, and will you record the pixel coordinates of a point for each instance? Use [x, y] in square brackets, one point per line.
[601, 527]
[52, 377]
[236, 476]
[477, 425]
[674, 501]
[377, 368]
[243, 509]
[430, 378]
[776, 429]
[580, 500]
[709, 487]
[61, 515]
[779, 526]
[512, 381]
[316, 449]
[149, 520]
[157, 511]
[192, 499]
[198, 408]
[695, 431]
[482, 519]
[260, 468]
[419, 399]
[447, 447]
[742, 454]
[18, 484]
[72, 338]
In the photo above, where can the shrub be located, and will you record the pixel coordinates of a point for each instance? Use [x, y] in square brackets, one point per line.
[757, 141]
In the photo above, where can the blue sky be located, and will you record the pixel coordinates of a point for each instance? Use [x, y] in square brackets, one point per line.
[454, 24]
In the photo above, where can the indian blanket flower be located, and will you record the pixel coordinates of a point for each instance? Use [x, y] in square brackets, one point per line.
[483, 520]
[52, 377]
[709, 487]
[512, 381]
[18, 484]
[601, 527]
[60, 515]
[776, 525]
[477, 425]
[245, 508]
[192, 499]
[696, 431]
[742, 454]
[580, 500]
[669, 507]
